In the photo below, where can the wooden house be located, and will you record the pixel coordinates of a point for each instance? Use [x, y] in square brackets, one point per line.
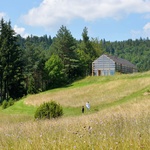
[108, 65]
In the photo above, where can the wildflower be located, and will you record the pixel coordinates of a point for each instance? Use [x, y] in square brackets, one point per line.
[29, 141]
[89, 129]
[111, 134]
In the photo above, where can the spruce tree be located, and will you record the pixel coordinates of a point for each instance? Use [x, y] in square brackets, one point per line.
[11, 66]
[64, 45]
[86, 53]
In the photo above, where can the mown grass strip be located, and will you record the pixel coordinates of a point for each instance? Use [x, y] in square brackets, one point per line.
[122, 100]
[76, 111]
[19, 108]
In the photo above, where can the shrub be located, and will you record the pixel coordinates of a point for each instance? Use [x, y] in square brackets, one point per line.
[48, 110]
[10, 102]
[4, 104]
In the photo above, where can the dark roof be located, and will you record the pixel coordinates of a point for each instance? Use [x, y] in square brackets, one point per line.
[121, 61]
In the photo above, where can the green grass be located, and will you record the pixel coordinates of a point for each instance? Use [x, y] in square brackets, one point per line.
[119, 118]
[128, 98]
[19, 108]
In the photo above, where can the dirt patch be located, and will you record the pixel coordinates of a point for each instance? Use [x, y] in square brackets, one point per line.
[146, 93]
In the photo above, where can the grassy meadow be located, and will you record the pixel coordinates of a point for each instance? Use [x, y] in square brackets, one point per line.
[119, 118]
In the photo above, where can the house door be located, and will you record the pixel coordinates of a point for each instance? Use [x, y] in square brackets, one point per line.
[99, 72]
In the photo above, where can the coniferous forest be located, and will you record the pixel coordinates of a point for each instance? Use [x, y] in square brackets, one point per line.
[34, 64]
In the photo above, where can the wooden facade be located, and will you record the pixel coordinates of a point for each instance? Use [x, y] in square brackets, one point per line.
[108, 65]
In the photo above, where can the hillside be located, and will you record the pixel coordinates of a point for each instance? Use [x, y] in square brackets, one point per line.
[34, 64]
[98, 91]
[101, 92]
[119, 117]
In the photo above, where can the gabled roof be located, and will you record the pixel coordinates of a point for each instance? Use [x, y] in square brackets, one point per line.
[121, 61]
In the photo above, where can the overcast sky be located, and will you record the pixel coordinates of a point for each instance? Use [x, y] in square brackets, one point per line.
[113, 20]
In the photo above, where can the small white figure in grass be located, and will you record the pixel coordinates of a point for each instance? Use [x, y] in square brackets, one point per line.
[88, 105]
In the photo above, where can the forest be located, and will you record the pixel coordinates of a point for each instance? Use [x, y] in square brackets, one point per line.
[35, 64]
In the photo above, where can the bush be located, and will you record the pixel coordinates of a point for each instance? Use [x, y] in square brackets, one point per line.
[10, 102]
[4, 104]
[48, 110]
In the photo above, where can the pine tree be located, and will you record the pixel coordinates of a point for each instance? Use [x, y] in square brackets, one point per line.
[86, 53]
[64, 45]
[11, 66]
[34, 59]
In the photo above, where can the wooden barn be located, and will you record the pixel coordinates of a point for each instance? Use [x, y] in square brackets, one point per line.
[108, 65]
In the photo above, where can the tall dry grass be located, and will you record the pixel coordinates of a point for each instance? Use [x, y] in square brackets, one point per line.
[124, 126]
[119, 128]
[95, 93]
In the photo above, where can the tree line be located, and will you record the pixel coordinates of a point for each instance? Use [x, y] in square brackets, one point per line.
[34, 64]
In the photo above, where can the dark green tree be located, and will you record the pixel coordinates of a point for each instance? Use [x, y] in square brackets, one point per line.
[136, 51]
[11, 65]
[64, 45]
[86, 53]
[34, 60]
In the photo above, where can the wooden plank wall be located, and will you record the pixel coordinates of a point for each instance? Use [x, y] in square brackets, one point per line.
[103, 66]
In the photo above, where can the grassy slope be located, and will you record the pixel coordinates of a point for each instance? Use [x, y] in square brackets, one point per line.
[102, 92]
[19, 108]
[119, 117]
